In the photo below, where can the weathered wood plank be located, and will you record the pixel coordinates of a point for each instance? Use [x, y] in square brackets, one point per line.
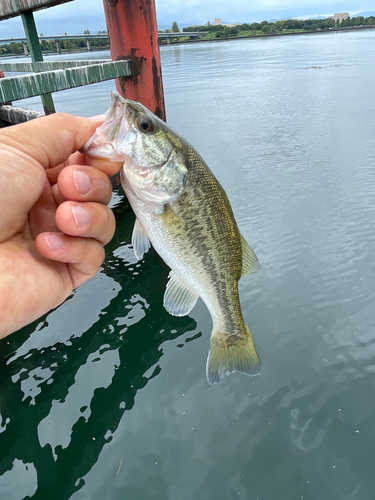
[22, 87]
[48, 65]
[13, 8]
[13, 114]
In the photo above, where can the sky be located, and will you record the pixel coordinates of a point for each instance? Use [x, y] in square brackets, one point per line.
[74, 17]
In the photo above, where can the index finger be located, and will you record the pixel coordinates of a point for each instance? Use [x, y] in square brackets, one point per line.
[50, 140]
[109, 167]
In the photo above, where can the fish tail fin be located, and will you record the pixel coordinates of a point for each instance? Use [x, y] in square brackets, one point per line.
[231, 353]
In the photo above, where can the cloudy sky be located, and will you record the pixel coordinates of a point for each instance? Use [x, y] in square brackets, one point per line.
[75, 17]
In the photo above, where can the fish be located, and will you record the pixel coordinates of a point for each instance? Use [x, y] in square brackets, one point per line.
[184, 213]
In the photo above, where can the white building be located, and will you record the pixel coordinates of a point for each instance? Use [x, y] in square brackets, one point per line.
[230, 25]
[340, 16]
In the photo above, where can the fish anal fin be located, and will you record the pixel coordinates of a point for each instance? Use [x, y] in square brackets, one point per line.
[250, 263]
[179, 300]
[231, 353]
[141, 243]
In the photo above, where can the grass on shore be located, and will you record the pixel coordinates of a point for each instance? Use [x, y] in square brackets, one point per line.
[242, 34]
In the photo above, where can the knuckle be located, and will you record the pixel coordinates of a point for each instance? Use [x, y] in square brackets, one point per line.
[97, 256]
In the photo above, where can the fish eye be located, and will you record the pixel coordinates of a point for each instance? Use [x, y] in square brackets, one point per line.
[145, 124]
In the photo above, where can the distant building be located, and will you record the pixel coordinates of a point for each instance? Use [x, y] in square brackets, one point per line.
[230, 25]
[340, 16]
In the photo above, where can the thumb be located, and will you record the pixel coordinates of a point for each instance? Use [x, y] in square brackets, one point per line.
[26, 150]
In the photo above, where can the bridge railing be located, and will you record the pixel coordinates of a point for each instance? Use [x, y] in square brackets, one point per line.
[43, 83]
[193, 35]
[46, 77]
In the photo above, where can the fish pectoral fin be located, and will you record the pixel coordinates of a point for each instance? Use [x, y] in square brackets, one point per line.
[250, 263]
[231, 353]
[141, 243]
[179, 300]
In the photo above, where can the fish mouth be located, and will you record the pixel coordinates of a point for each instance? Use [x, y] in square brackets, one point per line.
[115, 140]
[106, 141]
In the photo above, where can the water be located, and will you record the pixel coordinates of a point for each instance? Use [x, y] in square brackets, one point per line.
[106, 397]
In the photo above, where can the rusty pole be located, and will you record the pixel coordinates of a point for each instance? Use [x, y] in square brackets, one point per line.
[133, 34]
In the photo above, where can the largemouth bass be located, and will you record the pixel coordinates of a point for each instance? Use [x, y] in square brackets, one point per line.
[182, 210]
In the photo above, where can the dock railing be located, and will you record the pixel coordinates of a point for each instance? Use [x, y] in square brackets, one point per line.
[135, 60]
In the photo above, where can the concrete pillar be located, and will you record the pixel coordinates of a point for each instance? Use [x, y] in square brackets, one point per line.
[168, 40]
[25, 48]
[58, 46]
[88, 42]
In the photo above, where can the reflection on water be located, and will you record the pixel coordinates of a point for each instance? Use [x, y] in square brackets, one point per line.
[287, 125]
[62, 398]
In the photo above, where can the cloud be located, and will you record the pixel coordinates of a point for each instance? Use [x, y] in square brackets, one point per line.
[256, 10]
[75, 17]
[79, 9]
[71, 17]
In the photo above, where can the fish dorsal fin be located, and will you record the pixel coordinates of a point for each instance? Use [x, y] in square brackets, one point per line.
[179, 300]
[250, 262]
[141, 243]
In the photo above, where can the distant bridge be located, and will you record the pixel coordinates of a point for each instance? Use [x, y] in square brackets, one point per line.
[182, 34]
[88, 38]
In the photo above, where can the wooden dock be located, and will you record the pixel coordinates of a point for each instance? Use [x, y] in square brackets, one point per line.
[135, 65]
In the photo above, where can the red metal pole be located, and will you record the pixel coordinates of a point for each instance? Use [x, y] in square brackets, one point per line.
[133, 34]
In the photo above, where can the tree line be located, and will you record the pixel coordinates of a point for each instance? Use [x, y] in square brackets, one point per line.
[279, 26]
[265, 27]
[16, 48]
[358, 21]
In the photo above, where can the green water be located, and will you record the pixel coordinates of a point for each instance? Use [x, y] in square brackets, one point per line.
[96, 341]
[106, 397]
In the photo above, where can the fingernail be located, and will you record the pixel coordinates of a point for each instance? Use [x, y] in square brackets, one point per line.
[82, 181]
[54, 241]
[81, 216]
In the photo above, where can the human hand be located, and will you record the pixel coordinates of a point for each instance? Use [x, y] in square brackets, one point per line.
[53, 215]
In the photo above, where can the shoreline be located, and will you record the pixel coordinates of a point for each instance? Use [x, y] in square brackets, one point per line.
[201, 40]
[267, 35]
